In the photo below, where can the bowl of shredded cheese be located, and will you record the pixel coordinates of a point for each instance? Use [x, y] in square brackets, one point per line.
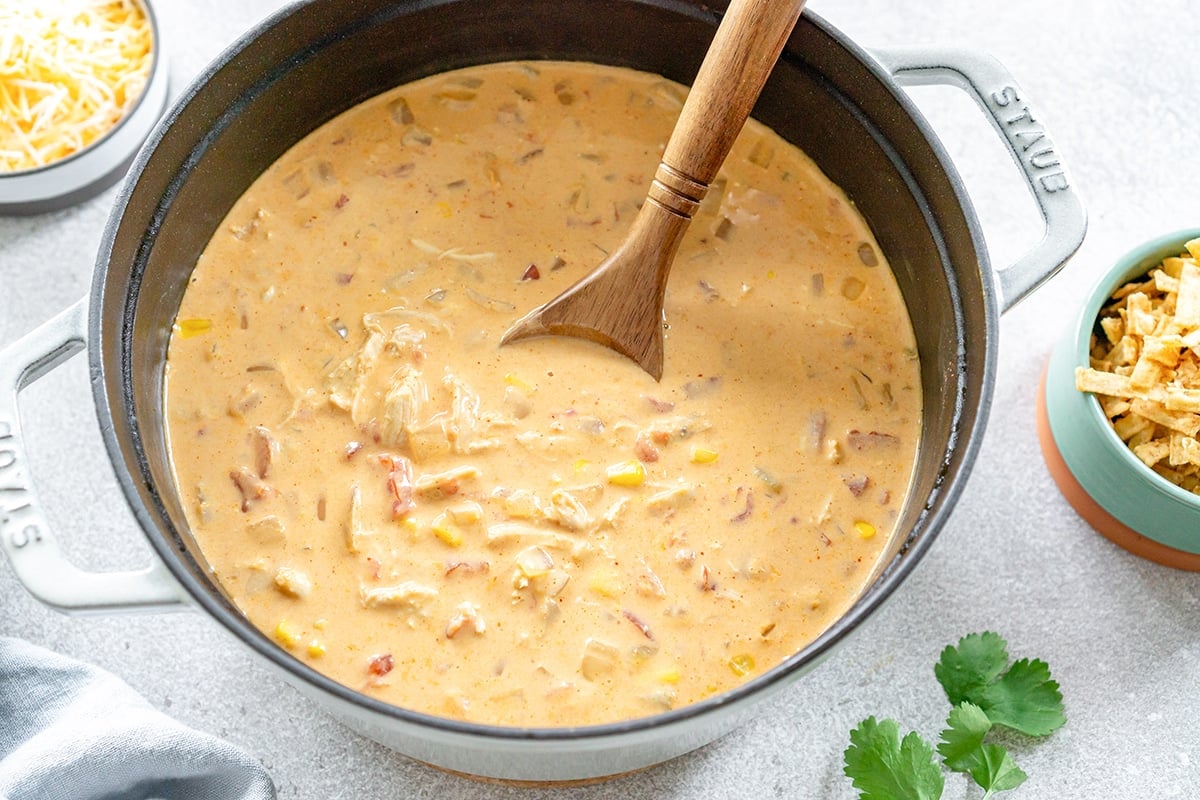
[82, 83]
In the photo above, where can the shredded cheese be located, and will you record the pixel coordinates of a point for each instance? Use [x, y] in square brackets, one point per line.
[69, 70]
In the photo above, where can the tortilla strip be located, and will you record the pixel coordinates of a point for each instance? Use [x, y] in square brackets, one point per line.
[1175, 420]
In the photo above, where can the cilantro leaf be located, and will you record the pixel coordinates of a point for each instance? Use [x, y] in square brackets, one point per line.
[1025, 699]
[884, 767]
[995, 771]
[963, 738]
[965, 670]
[985, 691]
[963, 750]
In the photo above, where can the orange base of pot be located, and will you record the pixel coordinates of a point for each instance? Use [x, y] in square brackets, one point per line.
[1092, 512]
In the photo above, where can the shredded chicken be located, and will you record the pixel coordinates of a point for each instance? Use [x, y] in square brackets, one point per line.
[503, 534]
[266, 448]
[401, 407]
[410, 596]
[444, 484]
[467, 612]
[292, 582]
[353, 528]
[567, 511]
[671, 498]
[252, 487]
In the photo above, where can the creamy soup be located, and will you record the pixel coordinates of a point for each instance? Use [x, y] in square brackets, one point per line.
[538, 534]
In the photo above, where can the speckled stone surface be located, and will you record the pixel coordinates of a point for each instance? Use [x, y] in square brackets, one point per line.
[1119, 89]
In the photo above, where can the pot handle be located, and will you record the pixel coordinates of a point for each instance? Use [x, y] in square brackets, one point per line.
[25, 536]
[1012, 114]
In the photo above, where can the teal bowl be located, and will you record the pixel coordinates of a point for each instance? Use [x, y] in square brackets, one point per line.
[1098, 474]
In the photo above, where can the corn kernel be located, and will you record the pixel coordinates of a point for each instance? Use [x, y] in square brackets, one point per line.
[466, 513]
[445, 530]
[287, 634]
[444, 210]
[703, 455]
[510, 379]
[865, 529]
[581, 464]
[606, 582]
[627, 473]
[449, 536]
[522, 504]
[669, 675]
[742, 664]
[188, 328]
[315, 649]
[534, 562]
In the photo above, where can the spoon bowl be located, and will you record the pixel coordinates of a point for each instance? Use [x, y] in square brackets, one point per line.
[619, 304]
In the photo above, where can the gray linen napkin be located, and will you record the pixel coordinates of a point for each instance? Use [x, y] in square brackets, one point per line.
[71, 731]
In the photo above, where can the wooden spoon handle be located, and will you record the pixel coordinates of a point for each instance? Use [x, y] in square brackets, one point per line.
[744, 50]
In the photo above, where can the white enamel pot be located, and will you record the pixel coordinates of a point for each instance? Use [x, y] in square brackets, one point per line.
[841, 104]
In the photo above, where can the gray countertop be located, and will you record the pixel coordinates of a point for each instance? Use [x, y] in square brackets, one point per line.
[1119, 87]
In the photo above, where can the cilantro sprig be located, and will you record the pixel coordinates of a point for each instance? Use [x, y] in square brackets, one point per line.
[985, 692]
[1023, 698]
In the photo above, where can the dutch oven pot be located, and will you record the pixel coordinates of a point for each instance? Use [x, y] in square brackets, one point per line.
[839, 103]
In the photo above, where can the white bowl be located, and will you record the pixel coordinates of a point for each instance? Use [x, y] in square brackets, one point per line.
[88, 172]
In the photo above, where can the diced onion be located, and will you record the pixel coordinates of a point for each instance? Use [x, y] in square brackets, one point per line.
[69, 70]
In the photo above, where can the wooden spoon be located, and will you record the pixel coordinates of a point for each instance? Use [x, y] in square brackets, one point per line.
[620, 303]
